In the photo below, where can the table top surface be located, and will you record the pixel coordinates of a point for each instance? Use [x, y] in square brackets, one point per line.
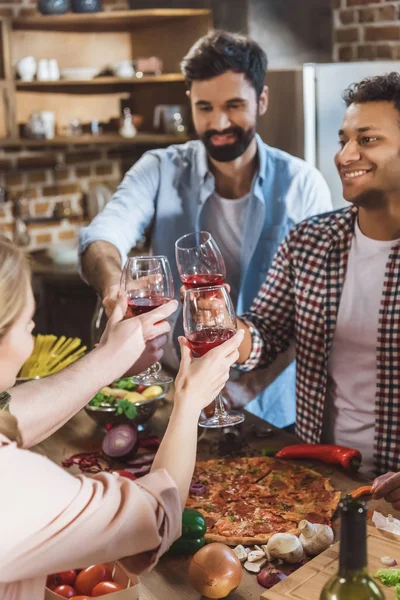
[169, 579]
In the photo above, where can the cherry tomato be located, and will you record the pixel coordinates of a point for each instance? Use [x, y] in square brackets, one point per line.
[64, 577]
[88, 578]
[66, 591]
[106, 587]
[82, 597]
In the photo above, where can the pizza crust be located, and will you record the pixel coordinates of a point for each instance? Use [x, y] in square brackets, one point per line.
[245, 541]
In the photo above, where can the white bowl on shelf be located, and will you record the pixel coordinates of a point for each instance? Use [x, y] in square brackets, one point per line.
[79, 74]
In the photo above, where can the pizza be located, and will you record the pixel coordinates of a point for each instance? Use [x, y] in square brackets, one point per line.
[247, 500]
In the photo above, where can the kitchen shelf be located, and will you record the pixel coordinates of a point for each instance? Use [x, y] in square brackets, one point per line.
[104, 83]
[103, 21]
[141, 139]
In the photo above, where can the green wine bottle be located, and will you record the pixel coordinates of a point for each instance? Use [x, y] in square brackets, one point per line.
[352, 582]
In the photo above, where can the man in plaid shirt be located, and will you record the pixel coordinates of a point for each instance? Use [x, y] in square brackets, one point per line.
[333, 291]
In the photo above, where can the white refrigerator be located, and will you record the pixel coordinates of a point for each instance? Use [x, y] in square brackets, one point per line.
[323, 106]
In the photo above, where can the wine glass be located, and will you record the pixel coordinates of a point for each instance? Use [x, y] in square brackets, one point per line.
[199, 260]
[209, 320]
[148, 283]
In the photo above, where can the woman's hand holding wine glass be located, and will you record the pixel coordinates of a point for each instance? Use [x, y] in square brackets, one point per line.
[147, 282]
[209, 320]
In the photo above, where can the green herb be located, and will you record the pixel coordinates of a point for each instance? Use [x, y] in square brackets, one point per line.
[276, 477]
[101, 399]
[398, 592]
[124, 407]
[125, 384]
[231, 519]
[254, 470]
[209, 508]
[268, 452]
[390, 577]
[259, 521]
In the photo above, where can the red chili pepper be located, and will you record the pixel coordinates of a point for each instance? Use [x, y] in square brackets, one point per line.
[349, 458]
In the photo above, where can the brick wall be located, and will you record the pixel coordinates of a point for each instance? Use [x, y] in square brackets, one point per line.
[366, 30]
[43, 177]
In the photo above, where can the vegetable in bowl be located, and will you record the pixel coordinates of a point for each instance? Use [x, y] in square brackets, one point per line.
[124, 401]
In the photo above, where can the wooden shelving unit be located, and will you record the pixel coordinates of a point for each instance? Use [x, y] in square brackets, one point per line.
[141, 139]
[127, 19]
[96, 40]
[110, 83]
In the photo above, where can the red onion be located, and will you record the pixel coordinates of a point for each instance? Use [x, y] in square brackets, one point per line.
[138, 471]
[197, 489]
[140, 461]
[120, 441]
[151, 441]
[88, 462]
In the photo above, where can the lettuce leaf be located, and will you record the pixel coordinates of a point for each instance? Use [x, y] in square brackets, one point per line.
[390, 577]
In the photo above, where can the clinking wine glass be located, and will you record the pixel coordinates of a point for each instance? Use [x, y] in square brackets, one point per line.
[209, 319]
[148, 283]
[199, 260]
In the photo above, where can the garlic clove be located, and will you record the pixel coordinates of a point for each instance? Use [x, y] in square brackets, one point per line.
[388, 561]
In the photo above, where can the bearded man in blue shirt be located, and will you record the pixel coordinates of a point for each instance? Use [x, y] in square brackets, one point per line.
[245, 193]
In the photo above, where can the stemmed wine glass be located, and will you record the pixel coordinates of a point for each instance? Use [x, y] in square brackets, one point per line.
[148, 283]
[199, 260]
[209, 320]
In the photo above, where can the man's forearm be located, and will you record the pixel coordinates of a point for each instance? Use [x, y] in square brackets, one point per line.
[43, 406]
[246, 346]
[101, 265]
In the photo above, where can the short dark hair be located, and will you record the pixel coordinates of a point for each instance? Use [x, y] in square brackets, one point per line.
[382, 88]
[221, 51]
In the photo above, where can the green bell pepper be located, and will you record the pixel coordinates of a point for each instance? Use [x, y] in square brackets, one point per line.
[193, 529]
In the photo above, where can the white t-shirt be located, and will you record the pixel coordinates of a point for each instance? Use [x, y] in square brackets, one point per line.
[226, 219]
[349, 418]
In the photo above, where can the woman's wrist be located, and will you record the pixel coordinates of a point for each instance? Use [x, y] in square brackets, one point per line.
[185, 409]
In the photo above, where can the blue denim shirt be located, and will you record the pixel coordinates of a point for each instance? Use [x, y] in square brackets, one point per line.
[169, 189]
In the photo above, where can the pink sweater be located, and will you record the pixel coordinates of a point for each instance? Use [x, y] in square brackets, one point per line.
[51, 521]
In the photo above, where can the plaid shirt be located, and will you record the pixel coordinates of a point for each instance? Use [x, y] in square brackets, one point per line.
[299, 302]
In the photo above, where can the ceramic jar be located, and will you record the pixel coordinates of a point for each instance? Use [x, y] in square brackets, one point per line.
[53, 7]
[86, 6]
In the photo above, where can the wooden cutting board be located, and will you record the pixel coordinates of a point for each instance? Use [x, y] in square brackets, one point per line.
[307, 582]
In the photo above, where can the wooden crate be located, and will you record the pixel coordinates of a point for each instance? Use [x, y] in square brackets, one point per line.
[307, 582]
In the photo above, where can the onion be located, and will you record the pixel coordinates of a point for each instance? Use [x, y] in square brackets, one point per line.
[388, 561]
[138, 471]
[269, 577]
[197, 489]
[215, 571]
[120, 441]
[151, 441]
[141, 461]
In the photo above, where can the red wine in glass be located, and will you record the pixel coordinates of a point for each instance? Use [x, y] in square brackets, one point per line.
[199, 260]
[202, 280]
[140, 306]
[209, 320]
[208, 338]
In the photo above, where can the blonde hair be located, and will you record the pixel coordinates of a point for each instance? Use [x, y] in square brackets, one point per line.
[14, 276]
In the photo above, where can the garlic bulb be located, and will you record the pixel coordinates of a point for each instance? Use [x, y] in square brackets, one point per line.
[314, 537]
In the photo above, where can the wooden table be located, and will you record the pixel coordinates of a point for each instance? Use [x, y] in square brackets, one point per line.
[168, 581]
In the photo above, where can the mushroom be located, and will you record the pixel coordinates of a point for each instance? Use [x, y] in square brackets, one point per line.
[314, 537]
[285, 546]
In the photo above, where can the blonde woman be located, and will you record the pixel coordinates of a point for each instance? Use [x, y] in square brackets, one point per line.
[52, 521]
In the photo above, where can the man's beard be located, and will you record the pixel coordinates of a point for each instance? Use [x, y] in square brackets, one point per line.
[228, 152]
